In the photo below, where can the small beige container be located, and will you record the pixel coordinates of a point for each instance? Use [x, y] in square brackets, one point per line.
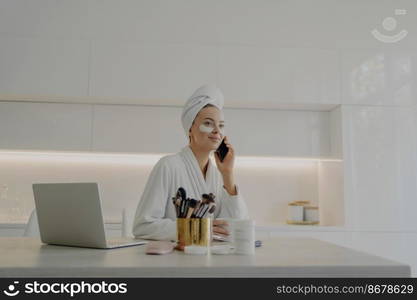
[301, 202]
[311, 213]
[302, 213]
[295, 212]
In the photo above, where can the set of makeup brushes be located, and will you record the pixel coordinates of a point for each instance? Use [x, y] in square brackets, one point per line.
[193, 208]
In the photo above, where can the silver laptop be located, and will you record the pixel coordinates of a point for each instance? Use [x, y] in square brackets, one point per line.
[70, 214]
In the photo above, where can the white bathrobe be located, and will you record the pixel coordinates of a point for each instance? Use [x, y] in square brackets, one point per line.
[155, 215]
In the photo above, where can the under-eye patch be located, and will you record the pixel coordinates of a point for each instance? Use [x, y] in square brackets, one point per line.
[206, 129]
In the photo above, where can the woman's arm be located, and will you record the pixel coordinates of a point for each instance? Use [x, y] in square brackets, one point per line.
[229, 184]
[232, 203]
[232, 206]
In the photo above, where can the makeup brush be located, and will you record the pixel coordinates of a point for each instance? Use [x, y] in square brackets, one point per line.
[186, 207]
[194, 214]
[177, 203]
[205, 197]
[207, 200]
[181, 197]
[198, 210]
[203, 208]
[211, 210]
[192, 204]
[182, 207]
[181, 193]
[174, 201]
[207, 209]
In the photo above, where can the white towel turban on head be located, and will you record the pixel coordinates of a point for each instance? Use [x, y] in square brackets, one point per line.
[206, 94]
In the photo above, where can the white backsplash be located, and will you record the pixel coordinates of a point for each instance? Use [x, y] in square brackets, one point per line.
[267, 189]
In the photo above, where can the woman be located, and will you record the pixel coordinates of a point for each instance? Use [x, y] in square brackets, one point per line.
[191, 168]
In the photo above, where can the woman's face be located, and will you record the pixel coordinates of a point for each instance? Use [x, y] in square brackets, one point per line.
[207, 129]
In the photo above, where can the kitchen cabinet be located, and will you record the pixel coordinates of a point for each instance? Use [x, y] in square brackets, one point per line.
[142, 129]
[45, 126]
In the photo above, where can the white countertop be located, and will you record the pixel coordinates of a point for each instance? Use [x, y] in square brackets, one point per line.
[278, 257]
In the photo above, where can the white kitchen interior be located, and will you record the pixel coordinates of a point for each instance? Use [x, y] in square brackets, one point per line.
[317, 108]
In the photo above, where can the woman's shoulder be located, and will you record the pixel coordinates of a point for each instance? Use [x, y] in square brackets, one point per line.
[170, 160]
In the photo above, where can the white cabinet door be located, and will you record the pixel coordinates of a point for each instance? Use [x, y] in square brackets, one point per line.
[148, 73]
[156, 129]
[278, 132]
[45, 126]
[380, 167]
[43, 67]
[268, 76]
[137, 129]
[378, 76]
[252, 132]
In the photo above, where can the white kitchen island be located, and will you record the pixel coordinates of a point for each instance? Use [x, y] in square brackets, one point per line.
[278, 257]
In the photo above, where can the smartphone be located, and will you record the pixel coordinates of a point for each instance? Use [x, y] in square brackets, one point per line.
[222, 150]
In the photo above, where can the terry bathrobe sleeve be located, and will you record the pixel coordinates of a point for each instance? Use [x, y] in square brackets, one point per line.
[232, 206]
[150, 221]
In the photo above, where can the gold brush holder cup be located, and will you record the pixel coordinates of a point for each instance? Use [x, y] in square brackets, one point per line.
[193, 231]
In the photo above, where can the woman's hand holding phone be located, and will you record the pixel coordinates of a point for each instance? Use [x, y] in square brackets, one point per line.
[226, 166]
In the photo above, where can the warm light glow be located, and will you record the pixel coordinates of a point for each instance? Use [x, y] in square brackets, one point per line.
[145, 158]
[87, 157]
[274, 161]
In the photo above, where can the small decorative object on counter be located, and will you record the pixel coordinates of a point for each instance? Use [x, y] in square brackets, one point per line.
[194, 219]
[311, 214]
[221, 249]
[159, 247]
[302, 202]
[295, 212]
[302, 213]
[244, 236]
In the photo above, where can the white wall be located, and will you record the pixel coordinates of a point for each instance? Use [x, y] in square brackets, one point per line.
[263, 54]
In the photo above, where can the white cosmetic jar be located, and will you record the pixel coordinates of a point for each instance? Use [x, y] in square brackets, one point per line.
[244, 236]
[295, 212]
[311, 213]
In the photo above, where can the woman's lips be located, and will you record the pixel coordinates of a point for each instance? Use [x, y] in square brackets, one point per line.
[214, 139]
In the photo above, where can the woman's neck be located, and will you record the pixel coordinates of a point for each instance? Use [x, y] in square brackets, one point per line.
[202, 158]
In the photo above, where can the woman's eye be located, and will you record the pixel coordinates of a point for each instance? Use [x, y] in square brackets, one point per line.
[211, 124]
